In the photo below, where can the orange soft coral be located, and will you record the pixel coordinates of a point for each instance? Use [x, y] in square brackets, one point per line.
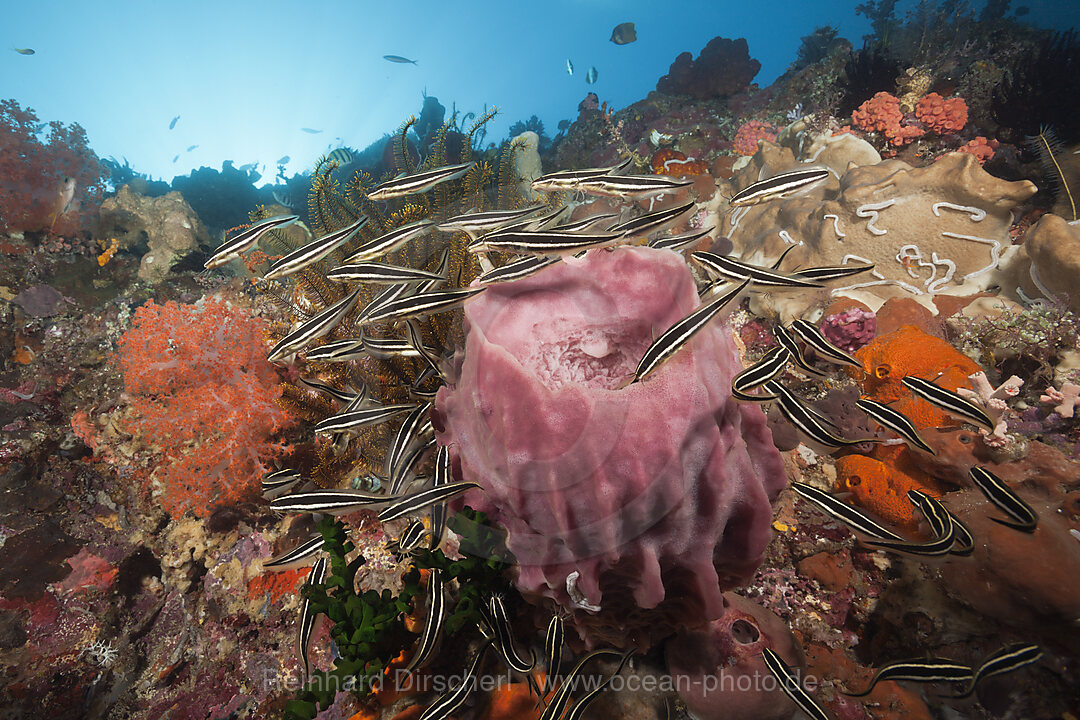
[880, 113]
[942, 115]
[672, 162]
[748, 134]
[202, 395]
[981, 148]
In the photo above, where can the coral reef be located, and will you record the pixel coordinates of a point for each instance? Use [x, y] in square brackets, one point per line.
[748, 135]
[723, 68]
[850, 329]
[942, 115]
[534, 416]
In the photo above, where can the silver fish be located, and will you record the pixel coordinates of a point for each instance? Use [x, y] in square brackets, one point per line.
[399, 59]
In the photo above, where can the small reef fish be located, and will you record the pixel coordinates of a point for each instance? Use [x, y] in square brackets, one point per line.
[174, 121]
[569, 67]
[678, 243]
[278, 482]
[319, 385]
[1009, 658]
[24, 51]
[544, 242]
[337, 351]
[768, 368]
[232, 249]
[175, 158]
[927, 671]
[778, 186]
[341, 156]
[591, 75]
[419, 182]
[559, 701]
[449, 702]
[807, 420]
[313, 328]
[410, 539]
[631, 186]
[379, 273]
[950, 402]
[941, 524]
[310, 131]
[399, 59]
[1002, 496]
[379, 347]
[814, 338]
[577, 710]
[897, 422]
[733, 269]
[443, 476]
[433, 625]
[553, 647]
[283, 159]
[389, 241]
[328, 501]
[411, 430]
[473, 223]
[834, 272]
[307, 617]
[423, 304]
[654, 222]
[624, 33]
[425, 498]
[192, 147]
[298, 556]
[408, 464]
[504, 637]
[311, 253]
[358, 419]
[787, 340]
[584, 224]
[790, 685]
[675, 337]
[841, 511]
[517, 269]
[562, 180]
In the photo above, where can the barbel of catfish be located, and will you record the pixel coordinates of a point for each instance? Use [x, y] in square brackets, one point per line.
[408, 432]
[949, 401]
[500, 622]
[677, 243]
[941, 524]
[388, 242]
[897, 422]
[418, 501]
[1009, 658]
[839, 510]
[473, 224]
[577, 710]
[790, 685]
[357, 419]
[314, 327]
[448, 703]
[1025, 519]
[278, 482]
[443, 475]
[919, 670]
[517, 269]
[337, 351]
[553, 647]
[330, 502]
[543, 242]
[814, 338]
[733, 269]
[768, 368]
[379, 273]
[297, 557]
[558, 703]
[832, 272]
[314, 251]
[675, 337]
[778, 186]
[787, 341]
[562, 180]
[418, 182]
[429, 638]
[307, 617]
[429, 303]
[807, 420]
[653, 222]
[232, 249]
[631, 186]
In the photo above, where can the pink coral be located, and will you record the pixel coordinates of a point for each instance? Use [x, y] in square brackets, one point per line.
[205, 397]
[981, 148]
[992, 400]
[748, 134]
[942, 115]
[1065, 400]
[850, 329]
[641, 500]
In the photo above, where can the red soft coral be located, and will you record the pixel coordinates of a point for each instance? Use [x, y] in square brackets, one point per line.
[748, 134]
[942, 115]
[33, 173]
[981, 148]
[205, 397]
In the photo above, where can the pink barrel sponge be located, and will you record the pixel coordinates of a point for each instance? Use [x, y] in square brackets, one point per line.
[635, 505]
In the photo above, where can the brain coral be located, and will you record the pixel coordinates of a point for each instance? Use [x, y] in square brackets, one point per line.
[635, 506]
[943, 228]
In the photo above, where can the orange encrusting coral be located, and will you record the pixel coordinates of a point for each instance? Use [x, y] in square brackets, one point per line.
[276, 584]
[879, 482]
[942, 115]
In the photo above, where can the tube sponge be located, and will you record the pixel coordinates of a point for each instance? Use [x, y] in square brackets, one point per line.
[634, 505]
